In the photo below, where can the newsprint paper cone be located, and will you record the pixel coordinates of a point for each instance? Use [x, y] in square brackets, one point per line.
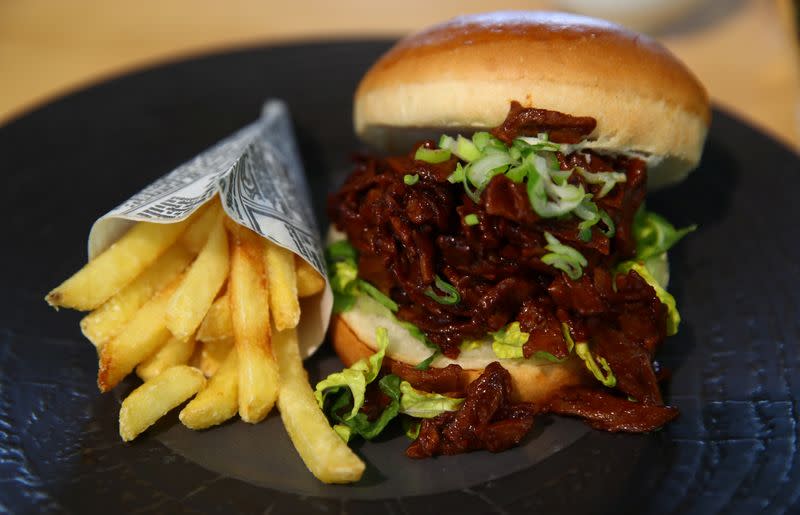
[259, 177]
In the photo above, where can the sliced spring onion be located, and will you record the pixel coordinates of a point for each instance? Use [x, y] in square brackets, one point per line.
[410, 180]
[594, 365]
[432, 155]
[452, 296]
[378, 295]
[466, 149]
[607, 179]
[540, 143]
[457, 176]
[471, 219]
[591, 214]
[447, 142]
[563, 257]
[547, 198]
[481, 171]
[481, 139]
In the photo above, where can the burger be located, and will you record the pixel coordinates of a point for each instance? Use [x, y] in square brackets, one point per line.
[493, 258]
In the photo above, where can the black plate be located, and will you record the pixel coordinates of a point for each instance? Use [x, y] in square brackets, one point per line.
[736, 360]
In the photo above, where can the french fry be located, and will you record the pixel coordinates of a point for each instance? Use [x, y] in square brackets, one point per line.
[218, 401]
[156, 397]
[191, 301]
[258, 372]
[213, 354]
[176, 351]
[282, 286]
[309, 281]
[195, 236]
[325, 454]
[107, 321]
[118, 265]
[142, 336]
[217, 323]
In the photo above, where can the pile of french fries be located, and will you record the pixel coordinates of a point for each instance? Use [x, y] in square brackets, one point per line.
[207, 310]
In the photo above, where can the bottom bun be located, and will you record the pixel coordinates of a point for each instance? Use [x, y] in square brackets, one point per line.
[532, 380]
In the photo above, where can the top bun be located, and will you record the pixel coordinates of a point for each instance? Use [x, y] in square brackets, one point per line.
[463, 75]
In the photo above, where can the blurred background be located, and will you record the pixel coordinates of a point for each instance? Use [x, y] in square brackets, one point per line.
[744, 51]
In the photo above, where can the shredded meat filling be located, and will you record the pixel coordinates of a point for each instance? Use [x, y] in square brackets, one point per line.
[486, 420]
[407, 235]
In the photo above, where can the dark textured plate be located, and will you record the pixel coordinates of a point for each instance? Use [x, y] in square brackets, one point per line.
[736, 360]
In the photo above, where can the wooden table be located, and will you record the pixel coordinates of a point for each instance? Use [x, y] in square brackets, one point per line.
[744, 51]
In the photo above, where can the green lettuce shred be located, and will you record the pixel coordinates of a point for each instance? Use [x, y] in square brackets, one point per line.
[654, 235]
[666, 298]
[343, 267]
[419, 404]
[343, 431]
[341, 396]
[356, 377]
[411, 428]
[425, 364]
[469, 344]
[508, 341]
[595, 363]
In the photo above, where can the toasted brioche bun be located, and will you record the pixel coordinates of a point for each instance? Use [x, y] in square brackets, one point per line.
[462, 75]
[533, 380]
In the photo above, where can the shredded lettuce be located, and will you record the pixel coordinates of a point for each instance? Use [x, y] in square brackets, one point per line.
[654, 235]
[471, 219]
[425, 364]
[343, 266]
[356, 377]
[359, 423]
[343, 431]
[673, 316]
[344, 275]
[378, 295]
[341, 395]
[595, 363]
[468, 344]
[411, 427]
[419, 404]
[567, 337]
[508, 341]
[563, 257]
